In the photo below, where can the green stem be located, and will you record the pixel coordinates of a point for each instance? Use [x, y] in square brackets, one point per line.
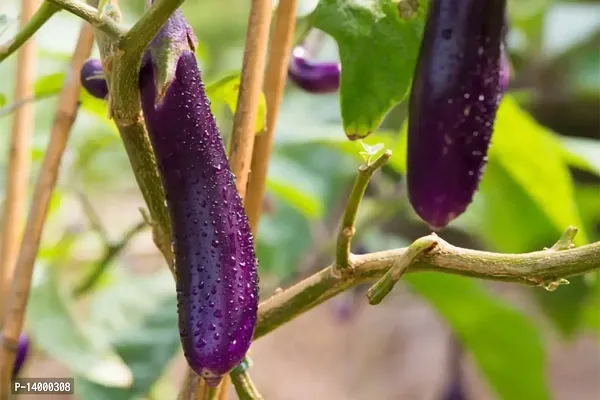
[244, 387]
[347, 229]
[43, 14]
[112, 251]
[125, 92]
[384, 286]
[90, 14]
[536, 268]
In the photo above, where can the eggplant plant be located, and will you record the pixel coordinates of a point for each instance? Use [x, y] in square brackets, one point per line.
[440, 67]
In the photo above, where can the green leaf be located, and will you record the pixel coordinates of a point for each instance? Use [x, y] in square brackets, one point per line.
[506, 346]
[582, 153]
[139, 313]
[304, 202]
[533, 157]
[2, 100]
[226, 90]
[378, 51]
[56, 330]
[49, 85]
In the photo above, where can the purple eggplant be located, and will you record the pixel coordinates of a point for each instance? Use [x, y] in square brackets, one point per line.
[455, 95]
[92, 78]
[215, 263]
[313, 77]
[22, 352]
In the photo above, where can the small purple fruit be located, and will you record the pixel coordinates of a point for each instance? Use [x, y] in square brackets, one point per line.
[22, 352]
[92, 78]
[215, 262]
[455, 95]
[313, 77]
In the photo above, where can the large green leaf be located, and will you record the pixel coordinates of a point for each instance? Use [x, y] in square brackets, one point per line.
[506, 346]
[533, 157]
[378, 51]
[139, 314]
[56, 330]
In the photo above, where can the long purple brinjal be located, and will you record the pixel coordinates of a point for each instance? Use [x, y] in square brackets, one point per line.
[215, 263]
[455, 95]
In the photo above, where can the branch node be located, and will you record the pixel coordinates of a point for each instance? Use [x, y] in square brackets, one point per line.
[565, 242]
[384, 286]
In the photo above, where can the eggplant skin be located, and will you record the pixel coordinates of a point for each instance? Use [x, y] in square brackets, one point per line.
[313, 77]
[455, 95]
[215, 262]
[22, 352]
[92, 78]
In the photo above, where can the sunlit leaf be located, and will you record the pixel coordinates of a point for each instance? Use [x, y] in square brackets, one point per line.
[378, 51]
[226, 90]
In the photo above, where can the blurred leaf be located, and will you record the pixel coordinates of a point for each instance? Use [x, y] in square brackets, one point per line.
[378, 51]
[139, 313]
[49, 85]
[506, 346]
[226, 90]
[280, 246]
[2, 100]
[582, 153]
[532, 156]
[96, 107]
[56, 330]
[565, 306]
[589, 207]
[306, 203]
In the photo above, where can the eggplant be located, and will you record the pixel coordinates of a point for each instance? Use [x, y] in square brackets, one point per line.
[215, 262]
[92, 78]
[455, 95]
[22, 352]
[313, 77]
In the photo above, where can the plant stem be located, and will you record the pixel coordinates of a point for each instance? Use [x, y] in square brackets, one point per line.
[110, 253]
[125, 95]
[244, 387]
[90, 14]
[244, 122]
[347, 229]
[32, 25]
[536, 268]
[275, 77]
[384, 286]
[19, 156]
[59, 134]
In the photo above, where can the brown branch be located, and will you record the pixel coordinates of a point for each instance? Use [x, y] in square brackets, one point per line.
[246, 114]
[63, 121]
[19, 158]
[539, 268]
[275, 77]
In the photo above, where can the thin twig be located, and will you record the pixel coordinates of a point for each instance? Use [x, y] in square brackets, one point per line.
[33, 24]
[92, 217]
[59, 133]
[90, 14]
[19, 157]
[110, 253]
[275, 77]
[246, 114]
[11, 108]
[536, 268]
[347, 228]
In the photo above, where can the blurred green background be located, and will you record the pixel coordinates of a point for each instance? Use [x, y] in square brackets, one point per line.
[119, 339]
